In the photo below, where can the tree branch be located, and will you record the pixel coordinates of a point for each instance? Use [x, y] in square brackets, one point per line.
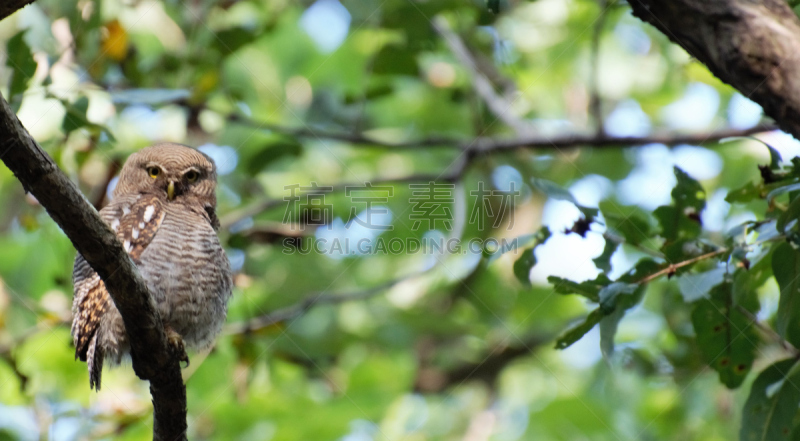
[9, 7]
[498, 105]
[453, 173]
[670, 269]
[749, 44]
[595, 101]
[490, 146]
[788, 347]
[493, 145]
[480, 147]
[430, 379]
[312, 300]
[96, 242]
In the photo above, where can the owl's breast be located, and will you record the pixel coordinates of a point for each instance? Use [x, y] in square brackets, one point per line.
[189, 276]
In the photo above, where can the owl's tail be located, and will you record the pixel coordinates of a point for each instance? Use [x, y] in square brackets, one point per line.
[94, 359]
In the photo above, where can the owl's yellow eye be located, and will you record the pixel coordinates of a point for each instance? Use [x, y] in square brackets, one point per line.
[191, 176]
[153, 172]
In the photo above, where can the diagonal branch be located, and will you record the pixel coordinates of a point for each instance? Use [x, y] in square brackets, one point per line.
[9, 7]
[431, 379]
[749, 44]
[498, 105]
[94, 239]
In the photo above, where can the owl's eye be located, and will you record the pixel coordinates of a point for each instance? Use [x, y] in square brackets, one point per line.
[153, 172]
[191, 176]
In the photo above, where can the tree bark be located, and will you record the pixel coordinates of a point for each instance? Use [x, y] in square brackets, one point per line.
[94, 239]
[750, 44]
[8, 7]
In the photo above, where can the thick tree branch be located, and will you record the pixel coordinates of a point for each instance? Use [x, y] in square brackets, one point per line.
[9, 7]
[94, 239]
[749, 44]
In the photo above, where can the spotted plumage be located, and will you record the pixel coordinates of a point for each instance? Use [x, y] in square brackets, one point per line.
[163, 212]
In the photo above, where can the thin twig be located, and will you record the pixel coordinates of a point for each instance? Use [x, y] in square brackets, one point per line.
[100, 195]
[454, 173]
[671, 268]
[474, 150]
[498, 105]
[769, 331]
[312, 300]
[494, 145]
[595, 103]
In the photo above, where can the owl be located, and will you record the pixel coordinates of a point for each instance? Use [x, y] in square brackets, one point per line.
[164, 212]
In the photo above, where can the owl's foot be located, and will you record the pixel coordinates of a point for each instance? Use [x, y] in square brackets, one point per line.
[175, 343]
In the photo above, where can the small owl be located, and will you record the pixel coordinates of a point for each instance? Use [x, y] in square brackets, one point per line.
[164, 212]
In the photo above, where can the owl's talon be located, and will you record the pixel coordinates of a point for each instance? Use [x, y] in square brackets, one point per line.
[175, 342]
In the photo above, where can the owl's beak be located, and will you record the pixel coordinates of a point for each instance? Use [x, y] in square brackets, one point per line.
[171, 190]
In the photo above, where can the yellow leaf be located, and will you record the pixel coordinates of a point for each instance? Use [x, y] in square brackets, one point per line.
[115, 41]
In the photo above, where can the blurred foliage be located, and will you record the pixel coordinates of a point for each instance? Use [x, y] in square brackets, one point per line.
[667, 279]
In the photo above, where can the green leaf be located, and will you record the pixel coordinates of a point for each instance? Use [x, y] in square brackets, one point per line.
[523, 265]
[523, 241]
[277, 147]
[229, 40]
[633, 229]
[675, 224]
[786, 267]
[792, 213]
[75, 117]
[555, 191]
[744, 194]
[396, 60]
[589, 289]
[725, 335]
[697, 285]
[615, 300]
[609, 295]
[772, 404]
[774, 156]
[682, 218]
[575, 333]
[22, 65]
[781, 190]
[608, 330]
[688, 192]
[603, 261]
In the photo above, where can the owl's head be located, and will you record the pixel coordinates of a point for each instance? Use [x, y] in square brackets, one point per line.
[174, 171]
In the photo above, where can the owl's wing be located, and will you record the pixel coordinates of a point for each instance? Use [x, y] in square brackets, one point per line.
[136, 221]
